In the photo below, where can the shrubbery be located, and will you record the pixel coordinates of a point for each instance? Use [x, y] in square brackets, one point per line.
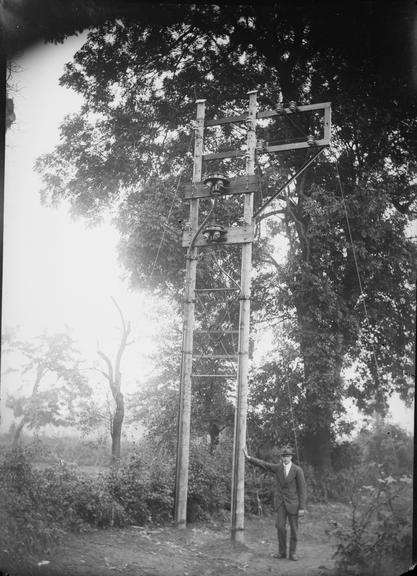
[74, 500]
[37, 506]
[26, 525]
[209, 480]
[378, 537]
[144, 487]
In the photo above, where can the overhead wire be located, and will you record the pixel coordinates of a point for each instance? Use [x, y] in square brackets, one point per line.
[224, 272]
[362, 292]
[374, 355]
[235, 344]
[214, 326]
[171, 207]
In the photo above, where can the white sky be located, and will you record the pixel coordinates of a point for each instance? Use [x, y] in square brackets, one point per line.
[56, 271]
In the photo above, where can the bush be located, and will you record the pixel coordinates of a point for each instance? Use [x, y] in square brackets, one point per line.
[75, 500]
[145, 485]
[345, 455]
[378, 538]
[144, 492]
[388, 445]
[209, 480]
[36, 507]
[26, 527]
[260, 488]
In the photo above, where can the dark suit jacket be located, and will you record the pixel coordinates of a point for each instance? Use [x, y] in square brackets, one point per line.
[290, 491]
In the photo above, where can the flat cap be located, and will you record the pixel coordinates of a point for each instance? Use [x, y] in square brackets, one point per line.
[286, 450]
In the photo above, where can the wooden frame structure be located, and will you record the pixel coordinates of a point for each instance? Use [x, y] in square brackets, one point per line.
[194, 239]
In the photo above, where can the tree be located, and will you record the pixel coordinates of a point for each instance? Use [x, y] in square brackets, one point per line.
[388, 445]
[51, 366]
[113, 375]
[156, 402]
[345, 220]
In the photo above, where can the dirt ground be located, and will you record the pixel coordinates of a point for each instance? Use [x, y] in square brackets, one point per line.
[199, 550]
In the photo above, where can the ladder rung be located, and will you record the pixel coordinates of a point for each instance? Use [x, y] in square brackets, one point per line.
[214, 375]
[216, 356]
[216, 331]
[217, 289]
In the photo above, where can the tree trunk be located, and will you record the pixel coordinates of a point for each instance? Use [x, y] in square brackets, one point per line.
[323, 402]
[215, 430]
[319, 419]
[114, 377]
[116, 430]
[318, 436]
[17, 431]
[322, 352]
[320, 345]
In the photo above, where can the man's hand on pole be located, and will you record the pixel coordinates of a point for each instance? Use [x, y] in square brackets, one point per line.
[245, 452]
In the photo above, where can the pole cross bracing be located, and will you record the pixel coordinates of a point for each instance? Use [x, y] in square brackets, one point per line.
[213, 347]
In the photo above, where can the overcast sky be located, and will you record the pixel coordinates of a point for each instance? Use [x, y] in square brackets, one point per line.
[57, 272]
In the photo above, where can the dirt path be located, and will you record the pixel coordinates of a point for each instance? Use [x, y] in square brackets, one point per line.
[197, 551]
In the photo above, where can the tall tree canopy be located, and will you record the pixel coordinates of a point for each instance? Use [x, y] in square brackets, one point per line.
[347, 283]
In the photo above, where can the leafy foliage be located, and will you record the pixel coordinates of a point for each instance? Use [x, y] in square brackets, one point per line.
[40, 503]
[144, 487]
[26, 526]
[379, 534]
[51, 366]
[347, 282]
[209, 480]
[155, 404]
[388, 445]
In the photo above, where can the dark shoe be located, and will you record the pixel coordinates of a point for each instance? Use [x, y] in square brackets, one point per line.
[293, 557]
[280, 556]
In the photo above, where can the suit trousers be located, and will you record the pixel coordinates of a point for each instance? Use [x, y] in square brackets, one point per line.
[281, 524]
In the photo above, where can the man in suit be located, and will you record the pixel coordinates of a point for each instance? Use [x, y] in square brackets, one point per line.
[289, 498]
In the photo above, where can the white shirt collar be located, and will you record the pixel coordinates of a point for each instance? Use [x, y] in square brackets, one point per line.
[287, 467]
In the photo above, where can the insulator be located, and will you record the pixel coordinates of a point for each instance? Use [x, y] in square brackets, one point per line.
[216, 182]
[293, 106]
[279, 107]
[186, 226]
[214, 232]
[310, 140]
[260, 145]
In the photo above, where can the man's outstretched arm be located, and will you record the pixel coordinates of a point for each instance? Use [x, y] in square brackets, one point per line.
[270, 466]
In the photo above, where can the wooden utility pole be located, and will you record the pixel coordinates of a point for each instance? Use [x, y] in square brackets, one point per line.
[183, 438]
[238, 473]
[209, 235]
